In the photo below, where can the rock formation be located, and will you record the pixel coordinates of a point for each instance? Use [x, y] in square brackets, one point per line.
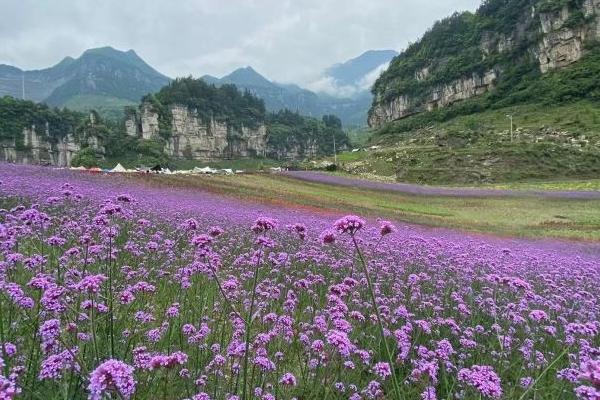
[191, 137]
[560, 41]
[40, 147]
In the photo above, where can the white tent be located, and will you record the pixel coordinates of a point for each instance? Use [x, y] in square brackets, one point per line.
[118, 168]
[80, 168]
[166, 171]
[227, 171]
[205, 170]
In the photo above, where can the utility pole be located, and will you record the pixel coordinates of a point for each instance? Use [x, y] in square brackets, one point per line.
[511, 126]
[334, 151]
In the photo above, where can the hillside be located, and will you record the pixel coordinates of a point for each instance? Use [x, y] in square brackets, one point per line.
[104, 79]
[500, 55]
[442, 116]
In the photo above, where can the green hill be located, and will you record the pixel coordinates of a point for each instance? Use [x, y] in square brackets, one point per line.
[440, 110]
[104, 79]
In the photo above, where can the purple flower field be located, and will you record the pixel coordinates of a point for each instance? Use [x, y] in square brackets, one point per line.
[114, 288]
[414, 189]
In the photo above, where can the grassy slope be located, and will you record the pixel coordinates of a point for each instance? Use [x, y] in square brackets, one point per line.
[527, 217]
[557, 142]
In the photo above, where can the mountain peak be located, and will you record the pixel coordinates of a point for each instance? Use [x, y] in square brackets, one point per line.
[246, 76]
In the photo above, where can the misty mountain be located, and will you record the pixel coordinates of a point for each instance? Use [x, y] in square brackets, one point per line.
[278, 96]
[103, 78]
[354, 71]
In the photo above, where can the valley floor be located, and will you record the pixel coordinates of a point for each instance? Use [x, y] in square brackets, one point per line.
[567, 215]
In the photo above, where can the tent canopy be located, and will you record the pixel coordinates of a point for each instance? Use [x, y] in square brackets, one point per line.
[118, 168]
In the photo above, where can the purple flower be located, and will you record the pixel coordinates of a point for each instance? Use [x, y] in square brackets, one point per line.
[590, 371]
[91, 283]
[201, 241]
[382, 369]
[288, 379]
[483, 378]
[587, 393]
[112, 375]
[386, 227]
[429, 393]
[327, 237]
[8, 389]
[349, 224]
[263, 224]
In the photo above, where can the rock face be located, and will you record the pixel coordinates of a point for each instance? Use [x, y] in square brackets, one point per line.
[562, 42]
[39, 147]
[192, 138]
[440, 96]
[559, 42]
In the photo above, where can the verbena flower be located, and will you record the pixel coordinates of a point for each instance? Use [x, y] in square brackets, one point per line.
[483, 378]
[349, 224]
[112, 375]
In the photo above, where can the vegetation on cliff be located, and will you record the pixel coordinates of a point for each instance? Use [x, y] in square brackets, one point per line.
[290, 132]
[224, 103]
[500, 36]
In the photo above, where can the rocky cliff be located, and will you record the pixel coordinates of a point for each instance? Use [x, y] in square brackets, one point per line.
[37, 144]
[467, 54]
[191, 137]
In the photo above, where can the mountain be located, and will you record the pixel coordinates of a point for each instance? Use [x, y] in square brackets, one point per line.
[353, 72]
[508, 52]
[276, 96]
[352, 110]
[102, 78]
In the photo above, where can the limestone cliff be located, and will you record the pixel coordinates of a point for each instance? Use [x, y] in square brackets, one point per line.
[37, 145]
[479, 49]
[189, 136]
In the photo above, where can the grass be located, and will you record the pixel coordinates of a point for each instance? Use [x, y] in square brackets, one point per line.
[531, 217]
[559, 142]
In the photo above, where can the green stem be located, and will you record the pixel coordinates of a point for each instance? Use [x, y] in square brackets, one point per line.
[379, 320]
[248, 328]
[544, 372]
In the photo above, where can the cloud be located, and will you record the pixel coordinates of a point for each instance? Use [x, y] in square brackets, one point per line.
[287, 40]
[328, 85]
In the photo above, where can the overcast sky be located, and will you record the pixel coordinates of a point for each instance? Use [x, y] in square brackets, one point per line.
[286, 40]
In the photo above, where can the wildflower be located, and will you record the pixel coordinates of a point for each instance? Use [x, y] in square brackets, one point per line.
[327, 237]
[263, 224]
[112, 375]
[483, 378]
[590, 371]
[288, 379]
[587, 393]
[526, 382]
[91, 283]
[215, 231]
[8, 389]
[382, 369]
[349, 224]
[201, 241]
[538, 315]
[429, 393]
[386, 227]
[49, 332]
